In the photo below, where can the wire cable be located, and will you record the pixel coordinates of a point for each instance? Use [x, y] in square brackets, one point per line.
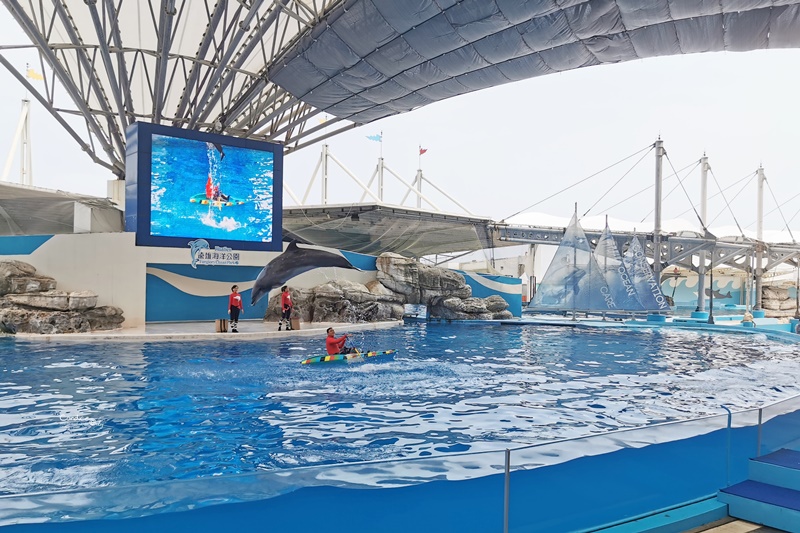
[718, 193]
[728, 203]
[779, 211]
[676, 173]
[650, 147]
[641, 191]
[615, 184]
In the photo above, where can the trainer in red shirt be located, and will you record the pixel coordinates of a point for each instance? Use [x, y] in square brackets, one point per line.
[235, 308]
[334, 345]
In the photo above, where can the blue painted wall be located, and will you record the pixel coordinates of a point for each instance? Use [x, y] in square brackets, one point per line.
[167, 303]
[22, 245]
[512, 295]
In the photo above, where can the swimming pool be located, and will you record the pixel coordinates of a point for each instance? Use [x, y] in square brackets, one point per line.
[94, 415]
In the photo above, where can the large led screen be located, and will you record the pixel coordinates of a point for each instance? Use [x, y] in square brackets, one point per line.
[183, 185]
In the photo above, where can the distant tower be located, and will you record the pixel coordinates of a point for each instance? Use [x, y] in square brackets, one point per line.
[23, 135]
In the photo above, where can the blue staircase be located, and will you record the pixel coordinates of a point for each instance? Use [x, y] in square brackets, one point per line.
[771, 495]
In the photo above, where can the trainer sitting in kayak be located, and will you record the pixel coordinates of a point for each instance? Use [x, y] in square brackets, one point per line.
[212, 191]
[334, 345]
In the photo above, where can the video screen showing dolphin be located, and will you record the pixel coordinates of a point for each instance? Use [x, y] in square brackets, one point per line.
[293, 262]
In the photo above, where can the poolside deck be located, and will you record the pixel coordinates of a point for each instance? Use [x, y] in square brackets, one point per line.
[204, 331]
[739, 526]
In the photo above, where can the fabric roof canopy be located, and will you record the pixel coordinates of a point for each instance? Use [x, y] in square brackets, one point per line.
[375, 228]
[26, 210]
[263, 68]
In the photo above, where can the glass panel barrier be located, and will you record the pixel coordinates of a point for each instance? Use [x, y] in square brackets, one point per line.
[575, 484]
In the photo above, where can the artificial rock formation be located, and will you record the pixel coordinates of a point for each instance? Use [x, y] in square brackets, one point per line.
[32, 304]
[777, 302]
[399, 281]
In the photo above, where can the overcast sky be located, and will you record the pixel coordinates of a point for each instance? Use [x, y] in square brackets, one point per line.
[502, 150]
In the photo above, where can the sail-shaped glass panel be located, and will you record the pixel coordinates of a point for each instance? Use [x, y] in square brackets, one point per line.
[619, 281]
[647, 286]
[573, 280]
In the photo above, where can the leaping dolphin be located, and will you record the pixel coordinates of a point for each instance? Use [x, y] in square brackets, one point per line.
[293, 262]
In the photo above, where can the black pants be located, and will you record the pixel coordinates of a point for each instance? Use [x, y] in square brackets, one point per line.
[287, 316]
[234, 317]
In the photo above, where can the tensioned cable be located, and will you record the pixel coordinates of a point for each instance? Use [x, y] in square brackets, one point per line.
[796, 212]
[719, 193]
[615, 184]
[644, 190]
[680, 183]
[779, 210]
[650, 147]
[727, 203]
[776, 208]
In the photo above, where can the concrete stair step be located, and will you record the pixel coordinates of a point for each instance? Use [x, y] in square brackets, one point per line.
[762, 503]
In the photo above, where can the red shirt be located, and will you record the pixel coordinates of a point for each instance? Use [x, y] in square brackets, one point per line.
[334, 345]
[235, 300]
[286, 300]
[209, 188]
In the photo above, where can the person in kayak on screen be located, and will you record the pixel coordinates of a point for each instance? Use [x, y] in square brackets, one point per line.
[212, 191]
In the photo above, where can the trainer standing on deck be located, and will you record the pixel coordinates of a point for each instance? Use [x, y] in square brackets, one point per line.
[286, 308]
[235, 308]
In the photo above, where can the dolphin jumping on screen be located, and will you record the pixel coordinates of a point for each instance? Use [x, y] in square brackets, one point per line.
[293, 262]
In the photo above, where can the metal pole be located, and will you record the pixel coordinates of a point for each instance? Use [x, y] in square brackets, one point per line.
[711, 298]
[728, 451]
[758, 442]
[759, 235]
[419, 189]
[507, 491]
[324, 174]
[380, 178]
[701, 269]
[19, 133]
[26, 164]
[657, 222]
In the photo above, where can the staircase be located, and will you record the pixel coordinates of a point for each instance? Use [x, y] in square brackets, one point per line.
[771, 495]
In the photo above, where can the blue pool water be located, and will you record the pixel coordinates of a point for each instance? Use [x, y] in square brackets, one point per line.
[85, 415]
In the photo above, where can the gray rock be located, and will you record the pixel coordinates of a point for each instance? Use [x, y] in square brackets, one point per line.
[33, 305]
[474, 306]
[82, 300]
[13, 269]
[384, 294]
[27, 284]
[453, 304]
[57, 300]
[495, 303]
[419, 283]
[400, 280]
[399, 274]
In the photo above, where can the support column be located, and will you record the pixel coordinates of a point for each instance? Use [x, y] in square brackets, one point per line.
[418, 183]
[324, 160]
[380, 178]
[759, 236]
[701, 268]
[657, 222]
